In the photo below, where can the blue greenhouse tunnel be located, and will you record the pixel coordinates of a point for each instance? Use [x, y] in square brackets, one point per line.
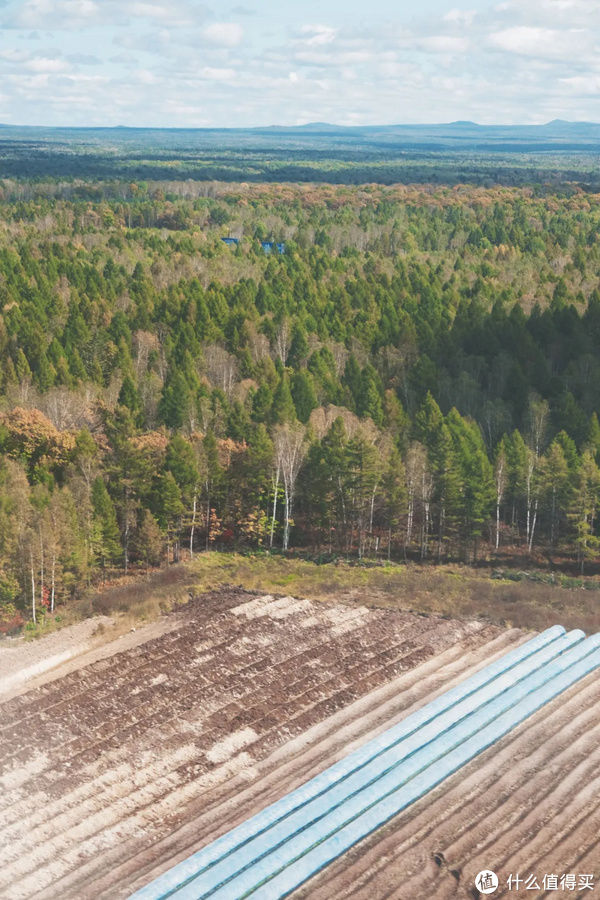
[271, 854]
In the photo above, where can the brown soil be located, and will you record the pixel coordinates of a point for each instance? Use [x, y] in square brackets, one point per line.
[160, 741]
[529, 805]
[116, 770]
[25, 665]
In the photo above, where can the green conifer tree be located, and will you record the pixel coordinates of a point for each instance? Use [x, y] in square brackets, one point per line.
[105, 530]
[283, 409]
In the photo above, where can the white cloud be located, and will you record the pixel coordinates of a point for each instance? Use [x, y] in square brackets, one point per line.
[54, 14]
[462, 17]
[145, 76]
[318, 35]
[583, 86]
[224, 34]
[543, 43]
[210, 73]
[45, 64]
[14, 55]
[519, 60]
[66, 15]
[445, 43]
[152, 11]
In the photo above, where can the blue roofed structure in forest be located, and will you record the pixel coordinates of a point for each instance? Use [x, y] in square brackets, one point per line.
[268, 246]
[231, 241]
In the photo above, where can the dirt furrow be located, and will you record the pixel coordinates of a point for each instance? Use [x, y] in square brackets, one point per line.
[157, 790]
[403, 850]
[237, 812]
[562, 838]
[192, 766]
[243, 676]
[115, 691]
[515, 799]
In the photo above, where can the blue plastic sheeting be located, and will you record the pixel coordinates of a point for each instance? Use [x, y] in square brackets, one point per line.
[298, 871]
[333, 817]
[420, 748]
[258, 824]
[286, 849]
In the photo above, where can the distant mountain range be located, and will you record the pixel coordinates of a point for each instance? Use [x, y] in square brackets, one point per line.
[462, 135]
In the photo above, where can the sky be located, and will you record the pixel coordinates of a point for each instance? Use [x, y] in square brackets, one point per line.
[199, 63]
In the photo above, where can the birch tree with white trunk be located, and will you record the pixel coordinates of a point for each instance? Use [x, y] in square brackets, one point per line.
[290, 450]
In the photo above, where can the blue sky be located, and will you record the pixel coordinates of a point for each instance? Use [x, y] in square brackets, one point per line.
[195, 63]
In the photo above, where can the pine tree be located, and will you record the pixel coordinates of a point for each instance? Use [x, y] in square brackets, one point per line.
[283, 409]
[369, 399]
[583, 509]
[105, 536]
[212, 475]
[364, 473]
[128, 396]
[478, 491]
[22, 368]
[129, 472]
[299, 348]
[516, 460]
[393, 486]
[171, 510]
[182, 461]
[332, 481]
[176, 401]
[261, 404]
[257, 467]
[593, 436]
[148, 541]
[303, 395]
[352, 380]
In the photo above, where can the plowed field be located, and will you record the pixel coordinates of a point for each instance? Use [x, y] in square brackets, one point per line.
[122, 768]
[528, 806]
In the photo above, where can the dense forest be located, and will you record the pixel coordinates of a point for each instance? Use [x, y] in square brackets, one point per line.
[551, 156]
[413, 374]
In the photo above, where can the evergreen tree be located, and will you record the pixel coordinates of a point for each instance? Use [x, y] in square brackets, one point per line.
[257, 466]
[303, 395]
[583, 509]
[128, 396]
[369, 399]
[516, 460]
[212, 476]
[364, 474]
[395, 495]
[283, 409]
[555, 487]
[105, 535]
[170, 510]
[176, 401]
[261, 404]
[148, 541]
[478, 492]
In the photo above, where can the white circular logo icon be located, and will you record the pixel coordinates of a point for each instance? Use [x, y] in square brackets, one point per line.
[486, 882]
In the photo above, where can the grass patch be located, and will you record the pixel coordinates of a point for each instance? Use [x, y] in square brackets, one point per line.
[448, 590]
[506, 598]
[146, 598]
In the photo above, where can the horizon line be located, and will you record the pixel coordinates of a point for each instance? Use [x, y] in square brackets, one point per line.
[311, 124]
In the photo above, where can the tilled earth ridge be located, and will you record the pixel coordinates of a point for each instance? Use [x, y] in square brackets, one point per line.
[530, 805]
[114, 772]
